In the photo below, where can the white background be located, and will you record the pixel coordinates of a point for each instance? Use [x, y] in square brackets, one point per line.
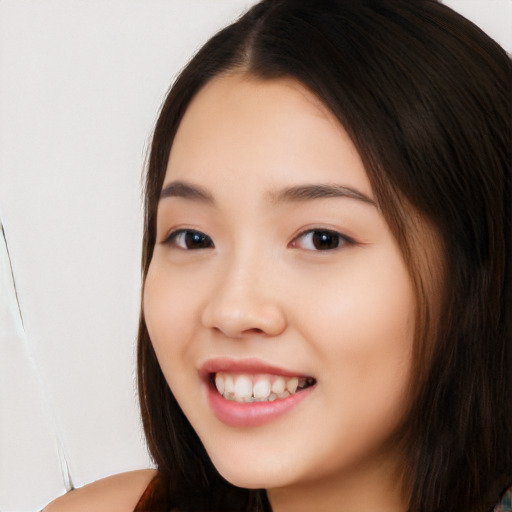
[80, 86]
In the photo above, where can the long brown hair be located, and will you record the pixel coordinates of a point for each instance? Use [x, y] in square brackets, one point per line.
[425, 96]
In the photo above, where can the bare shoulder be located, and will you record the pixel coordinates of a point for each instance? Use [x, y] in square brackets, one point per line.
[117, 493]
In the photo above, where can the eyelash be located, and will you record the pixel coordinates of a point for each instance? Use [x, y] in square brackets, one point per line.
[179, 239]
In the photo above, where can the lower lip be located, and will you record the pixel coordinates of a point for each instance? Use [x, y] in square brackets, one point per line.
[252, 414]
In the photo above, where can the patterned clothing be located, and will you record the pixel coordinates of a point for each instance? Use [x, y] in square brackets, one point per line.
[505, 505]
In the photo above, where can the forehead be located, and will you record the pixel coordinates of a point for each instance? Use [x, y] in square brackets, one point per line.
[262, 131]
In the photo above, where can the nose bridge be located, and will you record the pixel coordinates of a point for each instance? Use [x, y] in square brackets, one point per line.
[244, 300]
[247, 269]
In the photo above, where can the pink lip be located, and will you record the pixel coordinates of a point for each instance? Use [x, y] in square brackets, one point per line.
[252, 414]
[254, 366]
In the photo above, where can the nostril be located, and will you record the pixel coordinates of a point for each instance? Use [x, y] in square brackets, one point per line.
[254, 331]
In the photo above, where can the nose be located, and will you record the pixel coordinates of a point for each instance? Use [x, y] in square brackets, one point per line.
[245, 302]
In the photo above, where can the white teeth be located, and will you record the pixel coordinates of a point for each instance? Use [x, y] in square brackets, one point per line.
[292, 385]
[220, 383]
[278, 386]
[243, 387]
[261, 388]
[229, 385]
[257, 388]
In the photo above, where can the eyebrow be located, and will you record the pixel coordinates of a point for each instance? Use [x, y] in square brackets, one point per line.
[293, 194]
[319, 191]
[187, 191]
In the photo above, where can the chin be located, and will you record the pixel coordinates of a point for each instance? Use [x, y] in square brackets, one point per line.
[252, 475]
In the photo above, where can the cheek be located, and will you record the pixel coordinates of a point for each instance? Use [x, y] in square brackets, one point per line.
[365, 338]
[168, 316]
[362, 325]
[367, 306]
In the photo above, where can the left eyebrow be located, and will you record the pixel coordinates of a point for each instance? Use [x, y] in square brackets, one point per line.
[319, 191]
[186, 191]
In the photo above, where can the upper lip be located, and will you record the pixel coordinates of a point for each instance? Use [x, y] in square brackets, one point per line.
[249, 365]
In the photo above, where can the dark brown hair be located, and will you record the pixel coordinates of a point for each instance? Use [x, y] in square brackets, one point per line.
[425, 96]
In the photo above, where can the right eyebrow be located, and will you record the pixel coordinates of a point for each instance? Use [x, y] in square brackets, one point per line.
[309, 192]
[186, 191]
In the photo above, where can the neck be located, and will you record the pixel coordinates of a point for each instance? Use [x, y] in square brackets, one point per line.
[366, 489]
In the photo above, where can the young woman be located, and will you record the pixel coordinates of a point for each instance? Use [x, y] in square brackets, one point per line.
[327, 254]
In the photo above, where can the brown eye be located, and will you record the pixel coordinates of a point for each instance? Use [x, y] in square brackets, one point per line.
[320, 240]
[189, 240]
[325, 240]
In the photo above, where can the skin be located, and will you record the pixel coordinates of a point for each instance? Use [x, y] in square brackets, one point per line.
[263, 290]
[118, 493]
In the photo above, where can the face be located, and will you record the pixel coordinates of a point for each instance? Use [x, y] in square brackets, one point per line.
[277, 300]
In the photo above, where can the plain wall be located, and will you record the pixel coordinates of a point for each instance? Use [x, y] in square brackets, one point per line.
[81, 82]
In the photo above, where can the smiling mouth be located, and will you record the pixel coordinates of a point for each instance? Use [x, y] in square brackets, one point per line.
[248, 388]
